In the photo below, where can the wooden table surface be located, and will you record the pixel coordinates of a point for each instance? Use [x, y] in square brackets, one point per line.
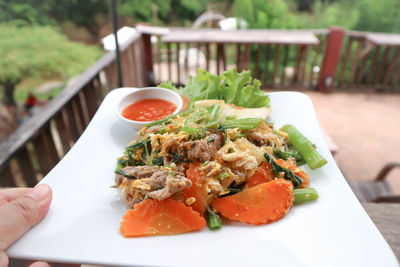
[387, 218]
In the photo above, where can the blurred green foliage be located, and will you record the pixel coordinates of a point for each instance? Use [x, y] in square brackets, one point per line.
[362, 15]
[168, 11]
[30, 51]
[40, 52]
[272, 14]
[365, 15]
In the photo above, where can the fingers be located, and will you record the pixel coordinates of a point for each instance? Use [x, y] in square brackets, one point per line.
[7, 195]
[40, 264]
[3, 259]
[19, 215]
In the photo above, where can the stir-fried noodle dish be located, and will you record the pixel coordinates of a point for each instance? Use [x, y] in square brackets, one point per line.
[212, 163]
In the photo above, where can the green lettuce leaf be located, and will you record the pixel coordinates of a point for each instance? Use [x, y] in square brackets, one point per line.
[233, 87]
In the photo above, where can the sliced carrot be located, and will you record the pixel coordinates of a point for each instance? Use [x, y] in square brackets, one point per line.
[260, 204]
[166, 217]
[198, 191]
[304, 176]
[286, 164]
[263, 174]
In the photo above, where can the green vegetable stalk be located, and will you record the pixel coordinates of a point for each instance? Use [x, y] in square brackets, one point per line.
[168, 119]
[214, 111]
[304, 195]
[213, 220]
[304, 146]
[243, 124]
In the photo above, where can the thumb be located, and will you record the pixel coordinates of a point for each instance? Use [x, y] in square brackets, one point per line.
[21, 214]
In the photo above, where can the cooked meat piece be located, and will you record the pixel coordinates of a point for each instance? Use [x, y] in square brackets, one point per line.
[171, 185]
[256, 138]
[151, 130]
[156, 182]
[261, 139]
[204, 149]
[137, 171]
[140, 171]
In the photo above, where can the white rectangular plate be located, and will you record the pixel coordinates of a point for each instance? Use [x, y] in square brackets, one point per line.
[82, 225]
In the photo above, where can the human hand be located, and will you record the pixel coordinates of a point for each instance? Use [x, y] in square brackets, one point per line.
[20, 210]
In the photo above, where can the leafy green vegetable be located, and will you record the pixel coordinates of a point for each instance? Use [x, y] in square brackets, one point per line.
[286, 154]
[232, 87]
[240, 90]
[288, 174]
[159, 161]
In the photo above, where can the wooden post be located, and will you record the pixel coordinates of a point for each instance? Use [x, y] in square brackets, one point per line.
[331, 59]
[149, 58]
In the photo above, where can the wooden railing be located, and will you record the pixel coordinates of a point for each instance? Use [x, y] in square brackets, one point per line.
[369, 60]
[280, 59]
[366, 60]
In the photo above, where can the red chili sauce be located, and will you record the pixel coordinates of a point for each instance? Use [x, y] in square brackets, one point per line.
[149, 110]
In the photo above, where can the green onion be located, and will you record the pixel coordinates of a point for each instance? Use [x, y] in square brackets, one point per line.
[214, 111]
[239, 136]
[171, 173]
[190, 130]
[304, 146]
[304, 195]
[214, 222]
[223, 175]
[135, 146]
[169, 118]
[212, 125]
[121, 163]
[230, 117]
[244, 124]
[204, 163]
[191, 105]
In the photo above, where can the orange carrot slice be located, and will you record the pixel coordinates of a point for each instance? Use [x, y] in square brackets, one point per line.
[286, 164]
[304, 176]
[198, 191]
[263, 174]
[166, 217]
[260, 204]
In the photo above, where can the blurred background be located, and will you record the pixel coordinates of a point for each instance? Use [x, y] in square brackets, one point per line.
[46, 45]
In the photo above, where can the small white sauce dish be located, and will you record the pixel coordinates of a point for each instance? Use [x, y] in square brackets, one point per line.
[146, 93]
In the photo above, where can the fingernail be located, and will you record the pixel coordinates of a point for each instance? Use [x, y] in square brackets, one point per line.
[39, 192]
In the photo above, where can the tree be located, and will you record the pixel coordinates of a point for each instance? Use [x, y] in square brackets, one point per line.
[40, 52]
[379, 16]
[261, 14]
